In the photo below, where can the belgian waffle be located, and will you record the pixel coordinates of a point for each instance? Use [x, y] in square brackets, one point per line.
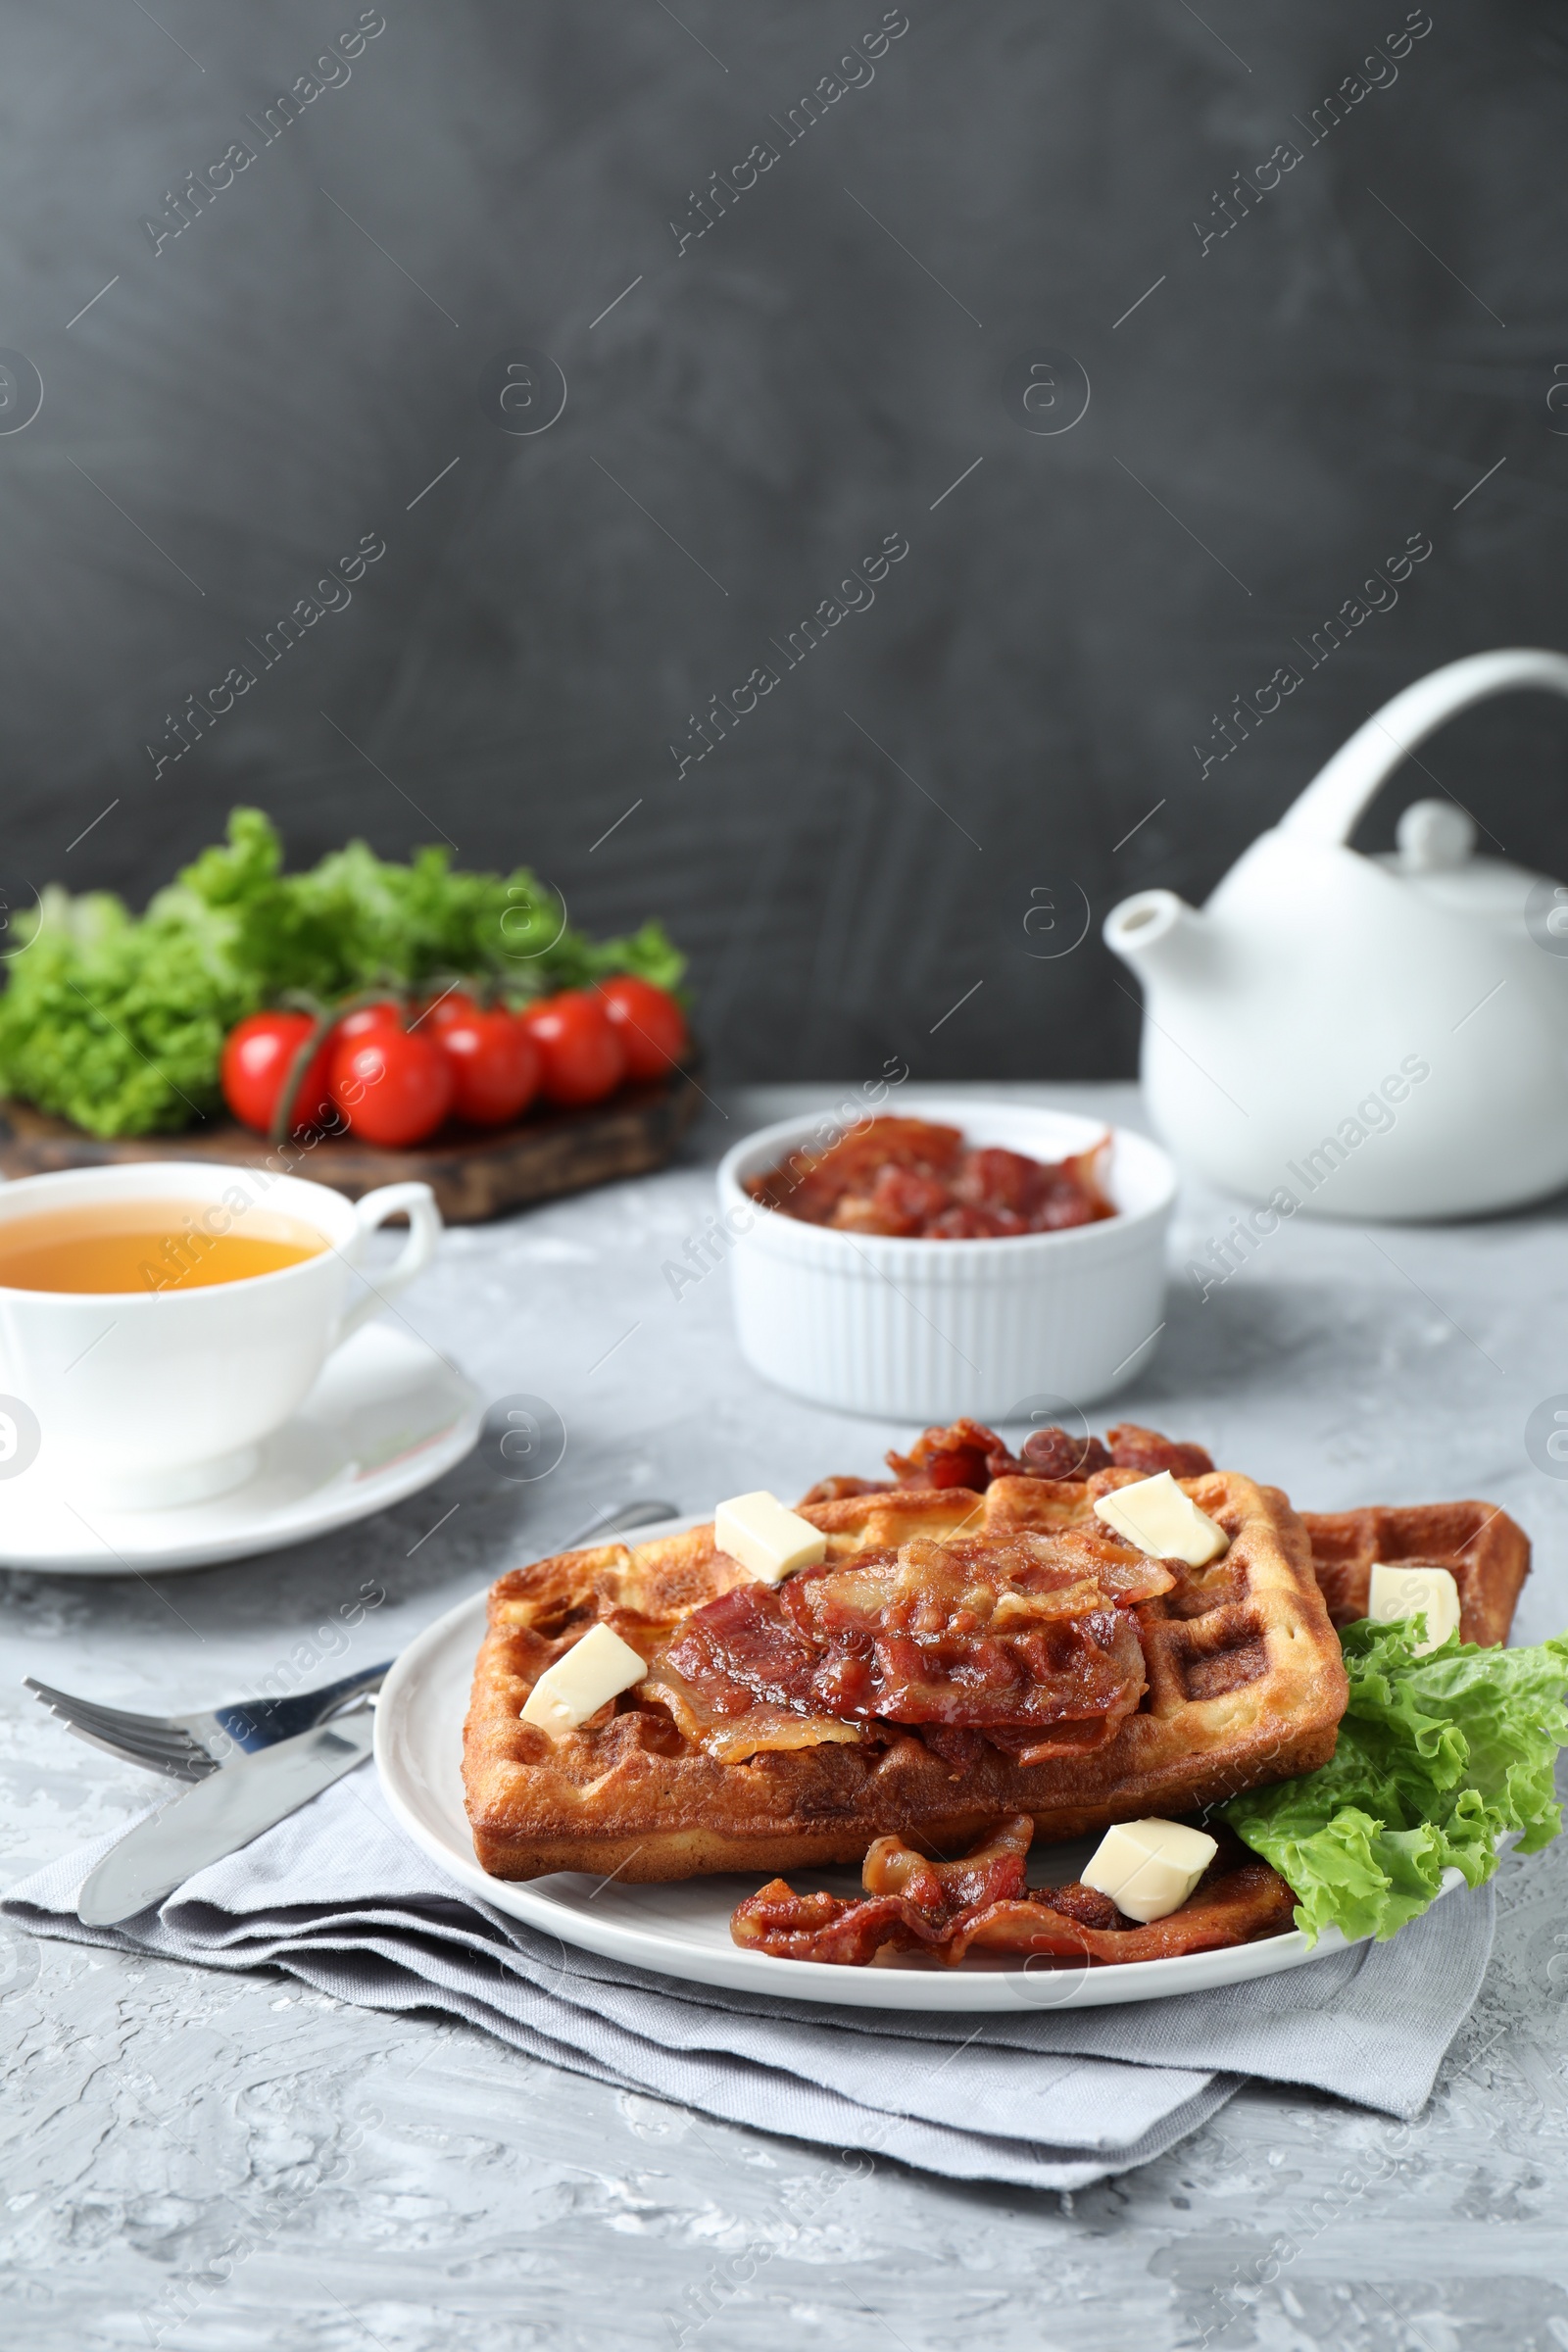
[1244, 1674]
[1486, 1554]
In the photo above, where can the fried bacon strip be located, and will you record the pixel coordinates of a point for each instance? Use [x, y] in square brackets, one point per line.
[810, 1185]
[1032, 1635]
[1135, 1449]
[968, 1455]
[910, 1177]
[982, 1902]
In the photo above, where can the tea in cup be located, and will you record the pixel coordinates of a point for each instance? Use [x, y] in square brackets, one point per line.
[158, 1320]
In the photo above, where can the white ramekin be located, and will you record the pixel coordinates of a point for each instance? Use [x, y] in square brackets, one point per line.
[927, 1329]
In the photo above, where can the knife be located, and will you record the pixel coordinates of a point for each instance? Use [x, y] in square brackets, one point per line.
[222, 1812]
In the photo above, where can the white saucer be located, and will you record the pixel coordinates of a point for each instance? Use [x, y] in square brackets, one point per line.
[682, 1929]
[386, 1417]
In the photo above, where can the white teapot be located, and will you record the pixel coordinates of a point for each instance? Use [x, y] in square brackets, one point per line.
[1373, 1037]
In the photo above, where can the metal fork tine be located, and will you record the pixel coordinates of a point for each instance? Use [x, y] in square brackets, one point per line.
[52, 1698]
[171, 1767]
[112, 1726]
[141, 1729]
[177, 1752]
[174, 1752]
[130, 1727]
[64, 1704]
[125, 1727]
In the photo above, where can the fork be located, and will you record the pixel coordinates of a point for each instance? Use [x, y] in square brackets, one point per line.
[188, 1748]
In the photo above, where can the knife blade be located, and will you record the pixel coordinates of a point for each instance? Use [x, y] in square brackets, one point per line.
[224, 1811]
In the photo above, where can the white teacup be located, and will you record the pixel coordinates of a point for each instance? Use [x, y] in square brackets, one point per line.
[148, 1398]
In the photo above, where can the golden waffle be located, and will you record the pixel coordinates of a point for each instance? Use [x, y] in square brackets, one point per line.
[1483, 1550]
[1245, 1685]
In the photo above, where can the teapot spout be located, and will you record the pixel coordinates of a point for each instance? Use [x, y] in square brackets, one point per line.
[1160, 937]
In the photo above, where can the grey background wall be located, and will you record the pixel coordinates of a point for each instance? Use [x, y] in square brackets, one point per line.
[843, 354]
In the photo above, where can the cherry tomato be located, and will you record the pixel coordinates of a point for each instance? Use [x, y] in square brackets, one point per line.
[366, 1020]
[649, 1024]
[259, 1055]
[455, 1005]
[393, 1086]
[494, 1066]
[580, 1054]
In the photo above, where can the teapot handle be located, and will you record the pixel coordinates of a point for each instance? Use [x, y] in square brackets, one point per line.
[1340, 794]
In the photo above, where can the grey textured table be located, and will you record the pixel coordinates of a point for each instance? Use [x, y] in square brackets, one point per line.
[404, 2183]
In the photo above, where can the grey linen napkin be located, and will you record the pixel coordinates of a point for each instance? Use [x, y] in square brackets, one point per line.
[1045, 2098]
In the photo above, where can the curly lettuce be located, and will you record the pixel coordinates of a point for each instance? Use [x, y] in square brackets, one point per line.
[117, 1021]
[116, 1024]
[1438, 1756]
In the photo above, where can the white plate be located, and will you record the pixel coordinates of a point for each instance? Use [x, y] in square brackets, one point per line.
[386, 1416]
[682, 1929]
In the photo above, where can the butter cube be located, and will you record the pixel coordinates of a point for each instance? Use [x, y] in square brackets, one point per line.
[767, 1536]
[1402, 1592]
[595, 1669]
[1150, 1868]
[1156, 1516]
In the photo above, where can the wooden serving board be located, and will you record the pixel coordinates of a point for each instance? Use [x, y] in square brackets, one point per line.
[474, 1173]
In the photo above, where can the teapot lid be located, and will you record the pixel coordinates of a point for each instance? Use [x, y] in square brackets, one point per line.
[1436, 840]
[1434, 837]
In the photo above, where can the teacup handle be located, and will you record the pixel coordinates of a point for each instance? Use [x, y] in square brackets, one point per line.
[424, 1232]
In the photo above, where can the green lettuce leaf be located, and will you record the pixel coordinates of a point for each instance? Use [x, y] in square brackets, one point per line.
[118, 1022]
[1436, 1757]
